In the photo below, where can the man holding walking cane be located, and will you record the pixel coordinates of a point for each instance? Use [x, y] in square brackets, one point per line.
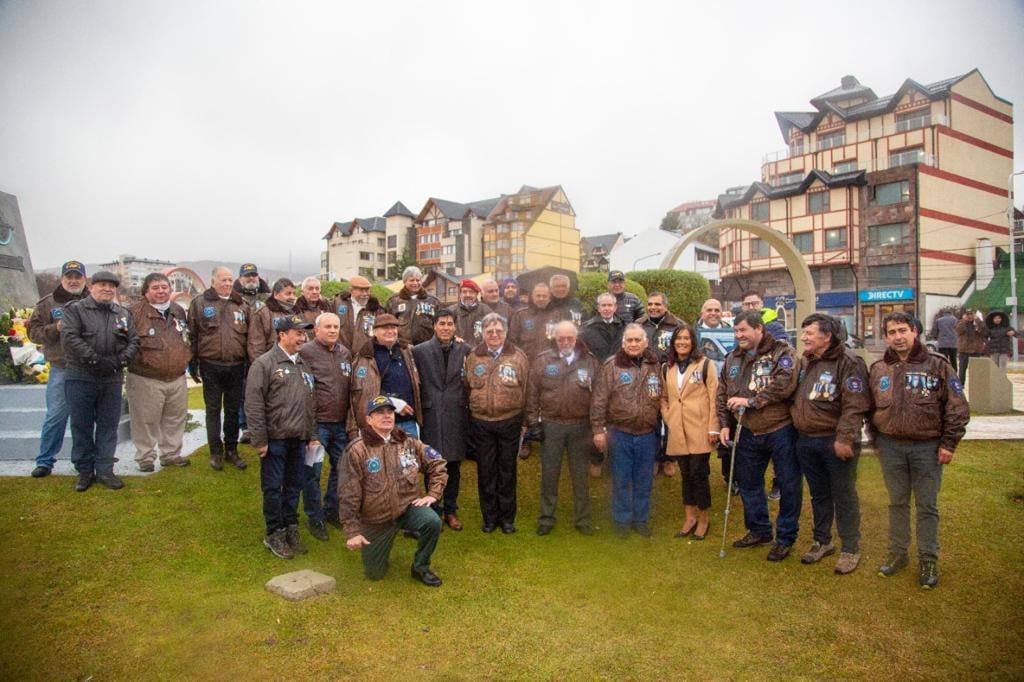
[759, 377]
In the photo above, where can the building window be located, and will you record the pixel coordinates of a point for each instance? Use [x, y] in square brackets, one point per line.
[489, 262]
[830, 140]
[393, 241]
[759, 211]
[788, 179]
[381, 273]
[759, 248]
[890, 234]
[892, 193]
[502, 244]
[842, 278]
[503, 228]
[844, 167]
[905, 157]
[796, 146]
[365, 255]
[835, 238]
[449, 250]
[912, 120]
[896, 275]
[817, 202]
[380, 242]
[380, 257]
[392, 256]
[726, 254]
[816, 278]
[804, 242]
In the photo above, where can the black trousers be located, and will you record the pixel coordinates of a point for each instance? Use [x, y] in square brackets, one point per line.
[951, 355]
[450, 499]
[497, 454]
[222, 385]
[695, 471]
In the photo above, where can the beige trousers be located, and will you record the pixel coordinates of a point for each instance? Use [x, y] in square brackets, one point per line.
[158, 412]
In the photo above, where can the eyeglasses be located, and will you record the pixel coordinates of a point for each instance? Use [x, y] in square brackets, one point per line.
[494, 332]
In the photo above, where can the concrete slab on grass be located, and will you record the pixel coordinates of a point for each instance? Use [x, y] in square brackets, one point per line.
[299, 585]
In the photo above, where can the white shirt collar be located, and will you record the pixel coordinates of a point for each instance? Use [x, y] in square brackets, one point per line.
[291, 356]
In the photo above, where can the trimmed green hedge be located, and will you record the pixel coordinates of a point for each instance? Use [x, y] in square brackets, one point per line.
[331, 288]
[591, 284]
[686, 291]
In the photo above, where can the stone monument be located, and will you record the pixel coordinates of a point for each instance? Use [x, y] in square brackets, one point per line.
[17, 279]
[989, 391]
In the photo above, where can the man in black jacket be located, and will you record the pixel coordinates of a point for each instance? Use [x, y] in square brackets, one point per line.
[445, 409]
[99, 340]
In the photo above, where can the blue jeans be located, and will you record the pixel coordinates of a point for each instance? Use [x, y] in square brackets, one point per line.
[410, 426]
[752, 456]
[334, 439]
[833, 485]
[51, 439]
[282, 471]
[632, 467]
[95, 409]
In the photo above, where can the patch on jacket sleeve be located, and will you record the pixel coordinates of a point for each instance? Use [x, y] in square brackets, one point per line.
[734, 371]
[854, 384]
[625, 378]
[373, 465]
[786, 362]
[430, 454]
[884, 383]
[209, 311]
[361, 372]
[956, 386]
[551, 370]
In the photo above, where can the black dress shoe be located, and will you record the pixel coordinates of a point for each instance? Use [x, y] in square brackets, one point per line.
[508, 528]
[489, 528]
[427, 577]
[110, 480]
[752, 540]
[84, 481]
[40, 472]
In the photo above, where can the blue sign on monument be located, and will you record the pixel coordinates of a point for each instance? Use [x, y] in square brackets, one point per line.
[827, 299]
[886, 295]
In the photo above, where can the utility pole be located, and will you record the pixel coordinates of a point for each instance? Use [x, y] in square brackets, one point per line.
[1011, 300]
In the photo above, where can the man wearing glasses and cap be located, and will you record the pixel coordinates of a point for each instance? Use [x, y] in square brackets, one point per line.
[44, 330]
[282, 422]
[380, 493]
[629, 307]
[99, 340]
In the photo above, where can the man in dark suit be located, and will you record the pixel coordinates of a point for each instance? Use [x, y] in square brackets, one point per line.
[444, 406]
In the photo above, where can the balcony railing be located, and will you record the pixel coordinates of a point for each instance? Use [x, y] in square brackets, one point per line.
[903, 126]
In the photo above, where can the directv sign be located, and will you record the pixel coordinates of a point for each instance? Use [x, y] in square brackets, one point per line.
[886, 295]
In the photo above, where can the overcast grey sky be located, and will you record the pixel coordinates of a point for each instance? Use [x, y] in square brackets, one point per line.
[238, 130]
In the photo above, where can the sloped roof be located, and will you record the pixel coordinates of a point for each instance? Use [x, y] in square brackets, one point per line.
[806, 121]
[483, 208]
[725, 201]
[454, 210]
[374, 224]
[399, 209]
[605, 241]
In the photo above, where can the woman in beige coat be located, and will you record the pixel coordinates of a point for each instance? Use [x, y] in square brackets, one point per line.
[688, 407]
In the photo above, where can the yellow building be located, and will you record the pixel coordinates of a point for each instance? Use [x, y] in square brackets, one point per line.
[897, 202]
[532, 228]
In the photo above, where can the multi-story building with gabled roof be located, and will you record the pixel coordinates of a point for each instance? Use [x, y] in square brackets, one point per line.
[449, 235]
[532, 228]
[356, 247]
[891, 199]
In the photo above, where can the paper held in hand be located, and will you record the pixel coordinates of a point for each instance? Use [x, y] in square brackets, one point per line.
[314, 454]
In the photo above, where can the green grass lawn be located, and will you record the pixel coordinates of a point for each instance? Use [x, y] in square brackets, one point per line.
[164, 579]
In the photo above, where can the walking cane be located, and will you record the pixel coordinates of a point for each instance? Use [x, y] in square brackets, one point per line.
[728, 490]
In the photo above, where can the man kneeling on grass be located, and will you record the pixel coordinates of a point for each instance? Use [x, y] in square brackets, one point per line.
[380, 482]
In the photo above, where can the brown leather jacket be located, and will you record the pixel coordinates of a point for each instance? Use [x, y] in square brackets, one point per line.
[332, 369]
[42, 326]
[532, 328]
[279, 399]
[164, 346]
[380, 479]
[659, 335]
[627, 396]
[832, 396]
[415, 315]
[467, 322]
[355, 332]
[218, 328]
[768, 378]
[560, 392]
[311, 311]
[971, 335]
[921, 399]
[497, 387]
[262, 335]
[364, 385]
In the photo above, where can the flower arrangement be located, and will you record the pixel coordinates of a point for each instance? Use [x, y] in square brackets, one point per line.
[21, 361]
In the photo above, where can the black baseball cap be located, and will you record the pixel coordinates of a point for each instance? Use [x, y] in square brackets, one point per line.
[616, 274]
[73, 266]
[248, 269]
[283, 324]
[379, 403]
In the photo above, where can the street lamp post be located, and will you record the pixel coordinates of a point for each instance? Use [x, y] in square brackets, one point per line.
[1012, 299]
[650, 255]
